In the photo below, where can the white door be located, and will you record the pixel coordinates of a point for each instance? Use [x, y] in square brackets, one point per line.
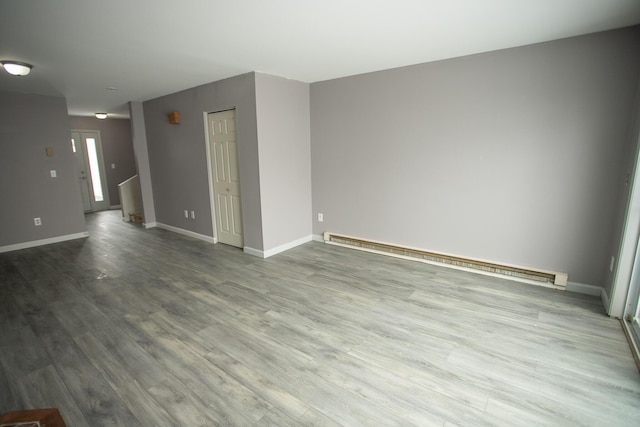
[225, 177]
[90, 169]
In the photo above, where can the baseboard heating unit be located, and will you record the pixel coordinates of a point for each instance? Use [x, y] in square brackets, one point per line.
[522, 274]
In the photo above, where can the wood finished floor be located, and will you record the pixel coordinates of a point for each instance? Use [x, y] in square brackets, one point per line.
[136, 327]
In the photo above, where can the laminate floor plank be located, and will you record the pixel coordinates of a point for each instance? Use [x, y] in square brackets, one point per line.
[99, 403]
[44, 388]
[7, 393]
[149, 327]
[134, 395]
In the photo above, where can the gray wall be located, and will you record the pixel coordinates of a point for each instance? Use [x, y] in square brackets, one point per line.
[282, 107]
[178, 160]
[511, 156]
[141, 152]
[28, 125]
[117, 149]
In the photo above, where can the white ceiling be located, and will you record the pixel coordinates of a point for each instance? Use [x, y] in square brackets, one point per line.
[149, 48]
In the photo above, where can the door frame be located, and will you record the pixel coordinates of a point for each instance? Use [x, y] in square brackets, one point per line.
[101, 166]
[205, 118]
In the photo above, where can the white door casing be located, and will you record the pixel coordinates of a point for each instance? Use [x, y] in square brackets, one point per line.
[225, 177]
[87, 148]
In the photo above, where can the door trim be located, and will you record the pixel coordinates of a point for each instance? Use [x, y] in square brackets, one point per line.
[207, 143]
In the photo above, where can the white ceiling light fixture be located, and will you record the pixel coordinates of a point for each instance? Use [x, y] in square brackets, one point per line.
[101, 116]
[17, 68]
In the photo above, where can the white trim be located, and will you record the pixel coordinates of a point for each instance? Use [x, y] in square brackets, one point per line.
[287, 246]
[253, 252]
[605, 300]
[152, 224]
[583, 288]
[207, 146]
[318, 238]
[114, 207]
[278, 249]
[185, 232]
[43, 242]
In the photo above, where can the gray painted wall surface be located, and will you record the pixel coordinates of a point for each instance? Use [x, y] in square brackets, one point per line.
[282, 108]
[117, 149]
[177, 155]
[28, 125]
[141, 154]
[512, 156]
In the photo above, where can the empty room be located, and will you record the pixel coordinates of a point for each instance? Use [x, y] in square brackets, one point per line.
[278, 213]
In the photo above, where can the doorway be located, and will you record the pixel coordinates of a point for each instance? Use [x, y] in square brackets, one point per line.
[87, 149]
[225, 177]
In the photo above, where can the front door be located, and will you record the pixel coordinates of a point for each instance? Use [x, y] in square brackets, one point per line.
[90, 172]
[225, 177]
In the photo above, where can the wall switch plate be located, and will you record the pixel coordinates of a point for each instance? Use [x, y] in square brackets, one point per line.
[37, 222]
[612, 263]
[193, 215]
[186, 213]
[113, 165]
[320, 217]
[53, 173]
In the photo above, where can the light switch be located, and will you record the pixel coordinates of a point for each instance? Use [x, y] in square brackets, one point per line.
[113, 165]
[53, 173]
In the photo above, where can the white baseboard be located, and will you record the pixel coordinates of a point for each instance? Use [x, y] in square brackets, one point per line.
[43, 242]
[114, 207]
[318, 238]
[605, 300]
[583, 288]
[274, 251]
[184, 232]
[253, 252]
[150, 224]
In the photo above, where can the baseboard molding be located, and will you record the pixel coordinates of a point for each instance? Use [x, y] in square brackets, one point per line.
[114, 207]
[278, 249]
[184, 232]
[42, 242]
[318, 238]
[253, 252]
[605, 300]
[583, 288]
[150, 224]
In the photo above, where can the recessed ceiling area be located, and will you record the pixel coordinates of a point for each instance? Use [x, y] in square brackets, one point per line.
[84, 49]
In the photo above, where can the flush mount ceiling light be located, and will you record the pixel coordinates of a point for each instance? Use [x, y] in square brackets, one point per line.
[101, 116]
[17, 68]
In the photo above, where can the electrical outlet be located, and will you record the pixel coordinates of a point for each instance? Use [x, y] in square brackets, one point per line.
[53, 173]
[186, 214]
[37, 222]
[320, 217]
[193, 214]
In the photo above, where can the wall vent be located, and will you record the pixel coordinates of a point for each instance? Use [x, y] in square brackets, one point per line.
[522, 274]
